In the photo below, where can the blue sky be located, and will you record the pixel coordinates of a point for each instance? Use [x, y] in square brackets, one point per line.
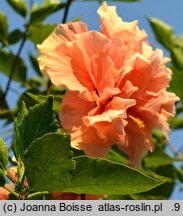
[170, 11]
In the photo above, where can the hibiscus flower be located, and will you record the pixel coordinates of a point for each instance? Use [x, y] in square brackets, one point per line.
[116, 85]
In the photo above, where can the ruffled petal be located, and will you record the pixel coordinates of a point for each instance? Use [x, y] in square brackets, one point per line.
[102, 66]
[62, 33]
[140, 75]
[110, 21]
[59, 68]
[135, 144]
[117, 107]
[73, 110]
[87, 139]
[136, 149]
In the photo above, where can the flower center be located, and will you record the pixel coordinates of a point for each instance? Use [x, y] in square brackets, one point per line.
[115, 72]
[138, 121]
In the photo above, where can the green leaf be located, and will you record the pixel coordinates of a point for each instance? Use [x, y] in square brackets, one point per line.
[179, 41]
[18, 147]
[49, 2]
[2, 178]
[179, 109]
[15, 36]
[3, 28]
[101, 176]
[32, 99]
[35, 30]
[48, 163]
[177, 53]
[17, 144]
[19, 6]
[176, 83]
[176, 122]
[158, 158]
[179, 174]
[6, 61]
[164, 33]
[34, 85]
[37, 122]
[34, 7]
[158, 138]
[34, 64]
[117, 156]
[164, 190]
[3, 155]
[39, 14]
[77, 19]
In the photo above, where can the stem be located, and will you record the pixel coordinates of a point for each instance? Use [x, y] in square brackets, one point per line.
[22, 181]
[79, 156]
[64, 19]
[12, 70]
[179, 155]
[11, 179]
[48, 88]
[66, 11]
[12, 192]
[30, 196]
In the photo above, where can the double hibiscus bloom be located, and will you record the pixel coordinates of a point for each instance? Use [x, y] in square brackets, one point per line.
[116, 85]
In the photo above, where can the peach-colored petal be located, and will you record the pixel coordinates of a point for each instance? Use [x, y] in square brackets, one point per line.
[167, 108]
[104, 67]
[64, 60]
[73, 107]
[106, 132]
[136, 143]
[62, 33]
[55, 60]
[82, 68]
[133, 39]
[117, 107]
[136, 150]
[141, 73]
[12, 172]
[116, 51]
[110, 21]
[59, 64]
[91, 43]
[128, 89]
[4, 194]
[92, 144]
[162, 79]
[119, 124]
[87, 139]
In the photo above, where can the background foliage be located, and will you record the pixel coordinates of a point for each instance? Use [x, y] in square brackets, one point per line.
[31, 130]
